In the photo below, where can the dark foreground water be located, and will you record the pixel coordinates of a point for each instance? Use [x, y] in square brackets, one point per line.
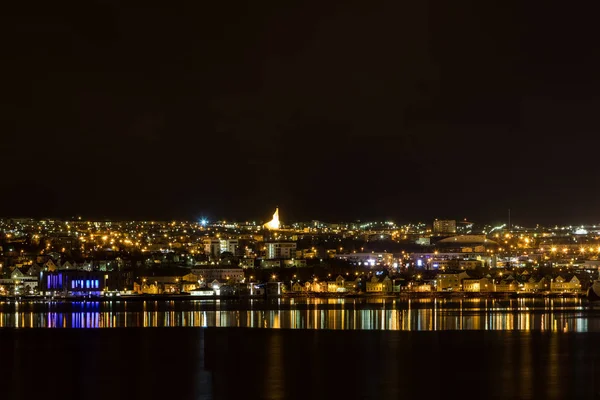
[301, 349]
[242, 363]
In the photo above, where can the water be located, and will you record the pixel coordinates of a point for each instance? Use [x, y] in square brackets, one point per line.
[565, 315]
[334, 348]
[242, 363]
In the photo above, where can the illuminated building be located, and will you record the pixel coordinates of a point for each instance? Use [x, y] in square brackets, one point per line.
[19, 283]
[247, 263]
[219, 272]
[376, 284]
[73, 282]
[230, 245]
[477, 285]
[565, 284]
[368, 259]
[444, 227]
[280, 250]
[274, 223]
[212, 247]
[450, 281]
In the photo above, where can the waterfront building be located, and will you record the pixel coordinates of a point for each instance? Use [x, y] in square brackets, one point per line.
[73, 282]
[450, 280]
[477, 285]
[376, 284]
[352, 285]
[423, 287]
[318, 286]
[19, 283]
[506, 286]
[535, 284]
[568, 283]
[336, 285]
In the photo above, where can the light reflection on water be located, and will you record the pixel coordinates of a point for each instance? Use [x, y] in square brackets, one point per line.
[343, 314]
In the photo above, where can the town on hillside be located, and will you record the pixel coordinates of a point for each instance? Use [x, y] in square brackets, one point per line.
[82, 258]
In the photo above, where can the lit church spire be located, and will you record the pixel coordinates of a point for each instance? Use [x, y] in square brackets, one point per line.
[274, 223]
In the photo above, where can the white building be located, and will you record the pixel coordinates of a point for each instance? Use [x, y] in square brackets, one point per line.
[280, 250]
[212, 247]
[230, 245]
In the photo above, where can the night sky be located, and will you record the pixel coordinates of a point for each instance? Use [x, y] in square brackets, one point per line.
[332, 110]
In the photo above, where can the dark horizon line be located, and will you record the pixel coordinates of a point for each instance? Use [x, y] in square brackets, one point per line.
[260, 222]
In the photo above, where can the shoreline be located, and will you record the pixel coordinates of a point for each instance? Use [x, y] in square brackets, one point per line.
[401, 296]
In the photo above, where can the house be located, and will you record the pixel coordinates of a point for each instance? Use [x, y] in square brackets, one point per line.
[19, 283]
[84, 266]
[65, 265]
[34, 270]
[374, 285]
[318, 286]
[337, 285]
[397, 284]
[423, 287]
[505, 286]
[379, 285]
[189, 282]
[476, 285]
[450, 280]
[297, 287]
[567, 283]
[534, 285]
[50, 266]
[146, 288]
[190, 278]
[352, 285]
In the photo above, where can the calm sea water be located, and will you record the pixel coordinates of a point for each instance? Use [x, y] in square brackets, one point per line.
[564, 315]
[332, 349]
[243, 363]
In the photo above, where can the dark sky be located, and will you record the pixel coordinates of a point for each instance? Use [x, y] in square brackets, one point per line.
[333, 110]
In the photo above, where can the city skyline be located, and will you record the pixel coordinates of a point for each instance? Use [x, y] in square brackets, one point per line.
[272, 222]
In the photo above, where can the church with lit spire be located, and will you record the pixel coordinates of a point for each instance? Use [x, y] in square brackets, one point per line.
[274, 224]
